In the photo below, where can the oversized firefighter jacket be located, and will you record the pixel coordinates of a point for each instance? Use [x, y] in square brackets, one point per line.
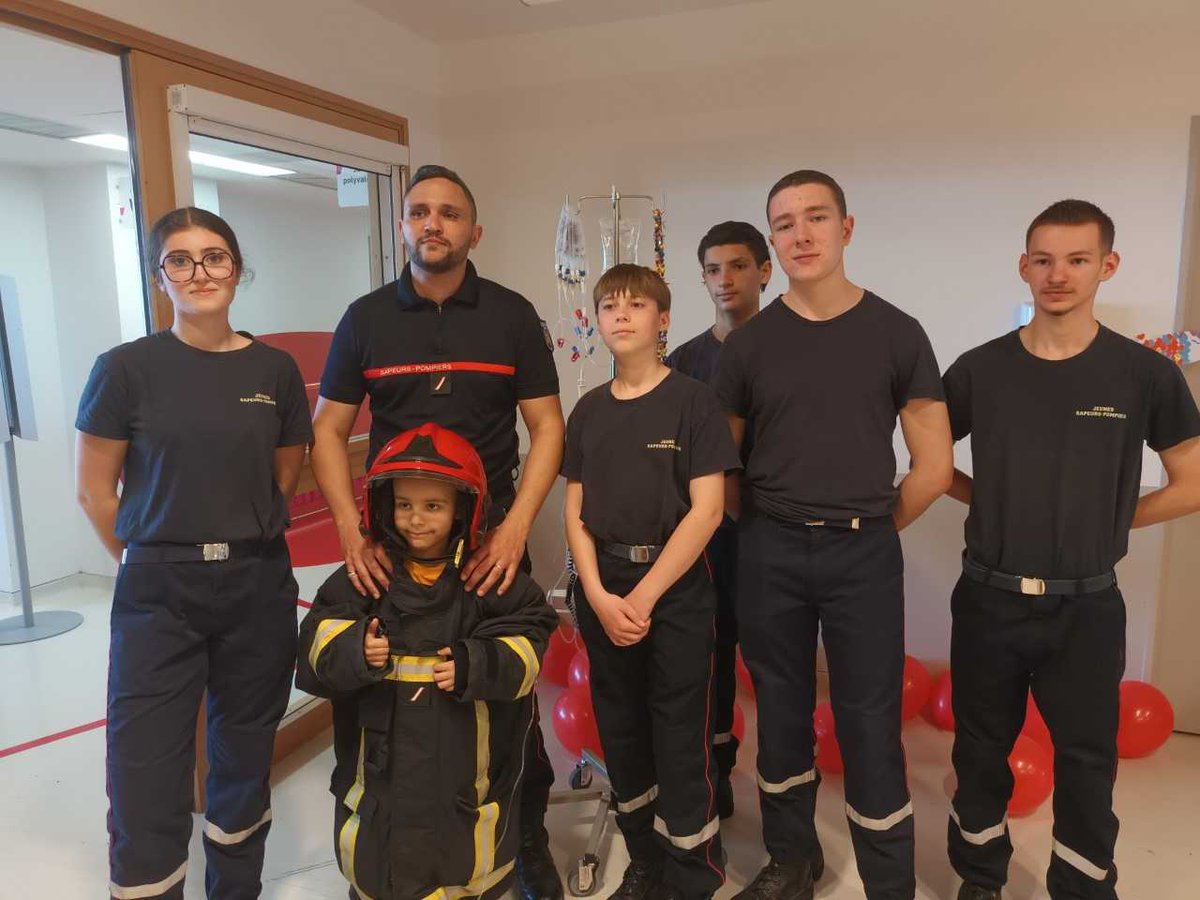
[426, 781]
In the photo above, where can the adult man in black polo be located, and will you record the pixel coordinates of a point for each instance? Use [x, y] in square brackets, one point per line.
[443, 345]
[819, 378]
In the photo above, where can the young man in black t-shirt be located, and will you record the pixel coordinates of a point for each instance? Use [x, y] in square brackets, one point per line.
[441, 344]
[735, 265]
[817, 381]
[645, 466]
[1057, 413]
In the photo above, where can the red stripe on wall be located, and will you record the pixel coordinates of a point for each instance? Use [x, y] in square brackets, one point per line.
[428, 368]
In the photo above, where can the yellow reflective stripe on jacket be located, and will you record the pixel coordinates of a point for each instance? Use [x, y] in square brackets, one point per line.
[348, 835]
[327, 630]
[485, 840]
[475, 888]
[524, 649]
[413, 668]
[483, 743]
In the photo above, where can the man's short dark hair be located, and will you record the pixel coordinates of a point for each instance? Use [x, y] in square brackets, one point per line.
[742, 233]
[636, 281]
[1076, 212]
[808, 176]
[429, 172]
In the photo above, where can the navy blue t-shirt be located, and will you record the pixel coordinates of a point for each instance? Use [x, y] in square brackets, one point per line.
[202, 428]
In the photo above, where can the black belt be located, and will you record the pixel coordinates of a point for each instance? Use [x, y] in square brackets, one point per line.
[1023, 584]
[174, 553]
[858, 523]
[638, 553]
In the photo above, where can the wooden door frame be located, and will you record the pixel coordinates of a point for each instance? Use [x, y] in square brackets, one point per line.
[151, 63]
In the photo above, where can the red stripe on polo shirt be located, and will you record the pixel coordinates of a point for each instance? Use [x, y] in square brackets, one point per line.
[427, 368]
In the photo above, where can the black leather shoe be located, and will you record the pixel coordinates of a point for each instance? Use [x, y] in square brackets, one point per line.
[537, 878]
[724, 797]
[974, 892]
[666, 892]
[785, 880]
[640, 882]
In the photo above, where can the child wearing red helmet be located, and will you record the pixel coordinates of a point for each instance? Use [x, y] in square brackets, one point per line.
[431, 686]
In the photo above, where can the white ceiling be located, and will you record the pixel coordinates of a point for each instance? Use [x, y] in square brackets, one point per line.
[445, 21]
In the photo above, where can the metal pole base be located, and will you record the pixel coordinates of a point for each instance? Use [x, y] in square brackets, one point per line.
[45, 624]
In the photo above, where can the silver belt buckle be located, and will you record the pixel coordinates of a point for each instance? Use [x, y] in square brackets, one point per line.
[639, 554]
[1034, 587]
[215, 552]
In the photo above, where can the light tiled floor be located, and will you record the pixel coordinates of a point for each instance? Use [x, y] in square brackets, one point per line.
[52, 801]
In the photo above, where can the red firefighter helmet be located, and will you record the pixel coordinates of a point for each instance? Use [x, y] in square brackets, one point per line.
[429, 451]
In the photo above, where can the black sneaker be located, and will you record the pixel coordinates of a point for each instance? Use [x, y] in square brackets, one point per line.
[641, 881]
[537, 877]
[784, 880]
[724, 797]
[974, 892]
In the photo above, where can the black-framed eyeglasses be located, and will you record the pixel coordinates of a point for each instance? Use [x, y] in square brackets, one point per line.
[180, 268]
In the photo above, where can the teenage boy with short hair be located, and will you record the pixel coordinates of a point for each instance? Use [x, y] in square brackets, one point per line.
[817, 380]
[645, 466]
[1057, 412]
[735, 265]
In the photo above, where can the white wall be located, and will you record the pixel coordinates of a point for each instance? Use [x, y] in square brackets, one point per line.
[950, 126]
[309, 256]
[43, 466]
[336, 46]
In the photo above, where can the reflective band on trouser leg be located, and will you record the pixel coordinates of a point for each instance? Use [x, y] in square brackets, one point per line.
[215, 833]
[485, 840]
[137, 891]
[639, 801]
[979, 838]
[348, 835]
[879, 824]
[723, 738]
[475, 888]
[688, 841]
[779, 787]
[1080, 862]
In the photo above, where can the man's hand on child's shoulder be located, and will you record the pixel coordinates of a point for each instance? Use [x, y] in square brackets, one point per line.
[443, 672]
[376, 649]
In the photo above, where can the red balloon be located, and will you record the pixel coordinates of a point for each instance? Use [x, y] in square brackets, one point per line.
[1147, 719]
[940, 710]
[916, 688]
[739, 723]
[1033, 776]
[829, 754]
[557, 660]
[575, 723]
[579, 672]
[1035, 726]
[743, 675]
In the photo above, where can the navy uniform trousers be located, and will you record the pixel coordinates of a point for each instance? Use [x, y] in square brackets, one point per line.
[178, 629]
[1071, 651]
[722, 558]
[652, 708]
[792, 580]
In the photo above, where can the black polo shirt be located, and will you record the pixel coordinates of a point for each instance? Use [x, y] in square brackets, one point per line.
[821, 399]
[1057, 448]
[463, 364]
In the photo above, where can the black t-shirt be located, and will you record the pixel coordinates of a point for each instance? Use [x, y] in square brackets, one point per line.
[636, 458]
[1057, 449]
[697, 358]
[202, 430]
[822, 400]
[463, 365]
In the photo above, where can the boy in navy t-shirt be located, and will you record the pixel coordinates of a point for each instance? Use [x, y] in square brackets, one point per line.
[645, 464]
